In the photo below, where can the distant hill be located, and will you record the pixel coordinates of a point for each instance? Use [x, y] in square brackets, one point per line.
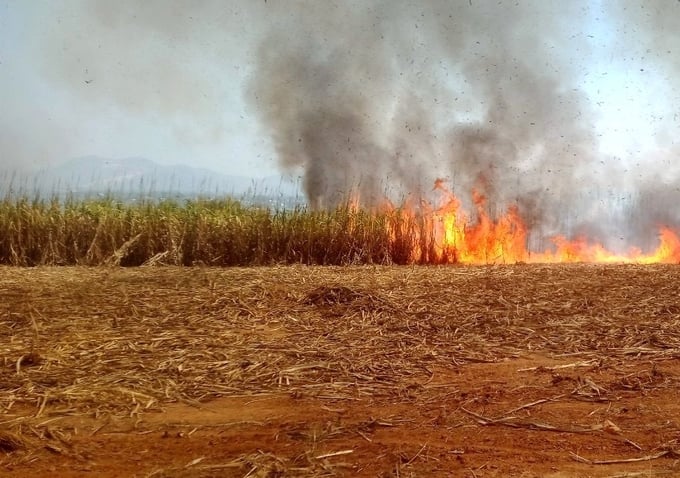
[135, 177]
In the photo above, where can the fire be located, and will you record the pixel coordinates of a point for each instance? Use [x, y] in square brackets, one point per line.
[455, 238]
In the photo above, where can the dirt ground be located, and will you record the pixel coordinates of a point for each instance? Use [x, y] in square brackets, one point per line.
[496, 371]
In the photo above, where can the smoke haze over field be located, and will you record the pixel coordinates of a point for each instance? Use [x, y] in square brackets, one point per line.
[487, 94]
[482, 93]
[568, 109]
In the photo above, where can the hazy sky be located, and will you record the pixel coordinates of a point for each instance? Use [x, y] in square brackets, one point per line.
[168, 80]
[111, 79]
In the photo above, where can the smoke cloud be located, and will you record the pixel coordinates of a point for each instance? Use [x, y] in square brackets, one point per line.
[380, 98]
[395, 94]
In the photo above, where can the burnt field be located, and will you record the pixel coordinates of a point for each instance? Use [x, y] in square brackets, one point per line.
[480, 371]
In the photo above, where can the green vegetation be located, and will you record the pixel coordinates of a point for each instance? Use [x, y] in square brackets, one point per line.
[34, 231]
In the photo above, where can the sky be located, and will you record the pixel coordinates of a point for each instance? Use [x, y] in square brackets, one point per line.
[74, 82]
[173, 81]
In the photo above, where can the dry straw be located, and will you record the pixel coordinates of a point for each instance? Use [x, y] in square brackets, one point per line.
[123, 342]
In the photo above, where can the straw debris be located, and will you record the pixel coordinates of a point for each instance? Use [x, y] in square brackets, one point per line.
[126, 342]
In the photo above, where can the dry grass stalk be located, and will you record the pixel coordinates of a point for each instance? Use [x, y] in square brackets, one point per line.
[655, 456]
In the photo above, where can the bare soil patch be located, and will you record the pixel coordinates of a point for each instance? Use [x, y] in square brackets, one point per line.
[525, 370]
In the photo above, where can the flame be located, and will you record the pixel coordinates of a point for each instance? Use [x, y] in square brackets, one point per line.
[455, 238]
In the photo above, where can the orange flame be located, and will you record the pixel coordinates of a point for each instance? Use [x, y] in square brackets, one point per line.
[455, 239]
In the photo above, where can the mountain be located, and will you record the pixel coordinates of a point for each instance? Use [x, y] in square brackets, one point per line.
[135, 177]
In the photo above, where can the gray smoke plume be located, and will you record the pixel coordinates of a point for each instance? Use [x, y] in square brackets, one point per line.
[381, 97]
[389, 94]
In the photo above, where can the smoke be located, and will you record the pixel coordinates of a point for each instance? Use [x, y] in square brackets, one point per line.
[379, 94]
[379, 98]
[648, 43]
